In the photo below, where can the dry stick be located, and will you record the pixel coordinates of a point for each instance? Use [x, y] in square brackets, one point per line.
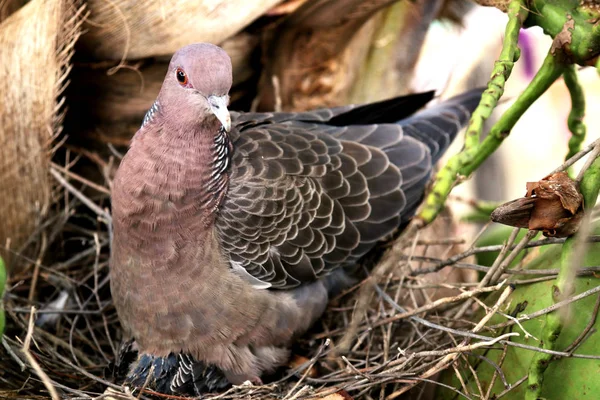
[590, 160]
[465, 347]
[460, 379]
[309, 365]
[81, 179]
[506, 263]
[484, 249]
[510, 317]
[472, 370]
[36, 269]
[95, 292]
[549, 309]
[443, 363]
[91, 205]
[513, 387]
[498, 261]
[576, 157]
[501, 267]
[498, 372]
[438, 303]
[33, 362]
[387, 330]
[12, 354]
[573, 346]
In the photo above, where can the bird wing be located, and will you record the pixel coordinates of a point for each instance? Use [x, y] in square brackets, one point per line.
[308, 194]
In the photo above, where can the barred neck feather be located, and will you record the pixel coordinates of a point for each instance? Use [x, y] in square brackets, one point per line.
[221, 152]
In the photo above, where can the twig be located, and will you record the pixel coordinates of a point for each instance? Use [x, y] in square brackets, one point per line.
[309, 365]
[512, 387]
[587, 328]
[10, 352]
[81, 179]
[576, 157]
[91, 205]
[33, 362]
[506, 263]
[549, 309]
[501, 267]
[588, 163]
[466, 347]
[438, 303]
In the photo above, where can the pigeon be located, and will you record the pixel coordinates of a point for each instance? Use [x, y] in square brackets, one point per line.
[232, 230]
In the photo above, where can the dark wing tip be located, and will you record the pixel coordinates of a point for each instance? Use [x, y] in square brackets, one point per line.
[383, 112]
[437, 126]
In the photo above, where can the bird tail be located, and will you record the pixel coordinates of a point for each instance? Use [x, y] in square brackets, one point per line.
[437, 126]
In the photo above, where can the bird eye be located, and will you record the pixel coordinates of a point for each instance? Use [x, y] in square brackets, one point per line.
[181, 77]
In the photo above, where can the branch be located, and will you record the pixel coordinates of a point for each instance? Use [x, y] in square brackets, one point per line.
[575, 120]
[465, 162]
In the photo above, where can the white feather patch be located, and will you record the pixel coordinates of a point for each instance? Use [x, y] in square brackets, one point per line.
[242, 273]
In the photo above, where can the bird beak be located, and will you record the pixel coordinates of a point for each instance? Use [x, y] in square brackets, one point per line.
[218, 105]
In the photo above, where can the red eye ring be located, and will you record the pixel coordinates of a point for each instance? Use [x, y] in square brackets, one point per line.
[181, 76]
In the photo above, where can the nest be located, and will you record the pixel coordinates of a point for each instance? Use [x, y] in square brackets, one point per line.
[63, 332]
[390, 335]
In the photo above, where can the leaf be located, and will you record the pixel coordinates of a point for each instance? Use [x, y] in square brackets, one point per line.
[553, 205]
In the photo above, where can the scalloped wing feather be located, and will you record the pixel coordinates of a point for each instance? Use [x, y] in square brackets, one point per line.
[306, 197]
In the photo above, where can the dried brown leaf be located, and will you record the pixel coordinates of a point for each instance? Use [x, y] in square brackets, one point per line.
[553, 205]
[297, 361]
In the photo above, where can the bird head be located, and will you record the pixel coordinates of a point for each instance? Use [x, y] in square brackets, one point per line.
[198, 82]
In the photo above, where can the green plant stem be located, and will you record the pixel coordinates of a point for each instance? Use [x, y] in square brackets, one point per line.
[475, 153]
[572, 255]
[575, 121]
[468, 160]
[456, 166]
[590, 184]
[556, 16]
[551, 69]
[561, 288]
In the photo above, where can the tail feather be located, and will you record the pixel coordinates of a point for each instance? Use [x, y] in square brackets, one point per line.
[437, 126]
